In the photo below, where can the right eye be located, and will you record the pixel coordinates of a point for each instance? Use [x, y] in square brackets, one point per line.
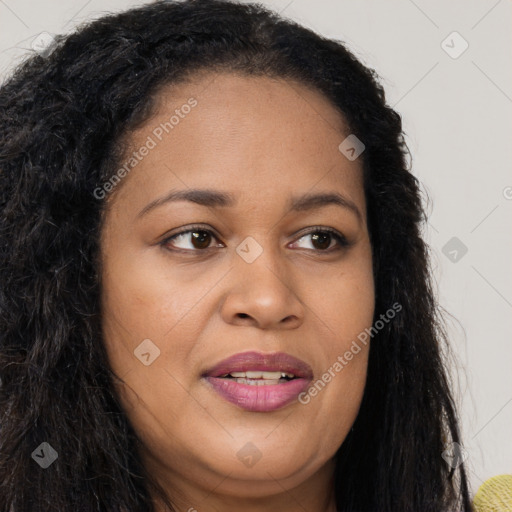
[200, 240]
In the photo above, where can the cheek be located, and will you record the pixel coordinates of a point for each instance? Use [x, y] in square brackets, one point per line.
[144, 299]
[144, 302]
[346, 302]
[345, 313]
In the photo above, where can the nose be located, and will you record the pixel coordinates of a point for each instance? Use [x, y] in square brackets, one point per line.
[263, 294]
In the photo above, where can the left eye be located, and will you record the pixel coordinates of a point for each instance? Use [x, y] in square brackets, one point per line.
[201, 239]
[323, 237]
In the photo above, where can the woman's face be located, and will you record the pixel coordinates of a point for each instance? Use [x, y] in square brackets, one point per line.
[253, 274]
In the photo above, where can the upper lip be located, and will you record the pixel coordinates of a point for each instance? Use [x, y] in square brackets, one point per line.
[252, 361]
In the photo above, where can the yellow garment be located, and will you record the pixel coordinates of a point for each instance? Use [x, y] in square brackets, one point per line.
[494, 495]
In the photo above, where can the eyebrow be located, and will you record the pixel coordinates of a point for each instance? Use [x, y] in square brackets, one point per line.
[216, 198]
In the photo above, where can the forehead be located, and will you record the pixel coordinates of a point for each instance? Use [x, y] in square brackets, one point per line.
[257, 136]
[243, 98]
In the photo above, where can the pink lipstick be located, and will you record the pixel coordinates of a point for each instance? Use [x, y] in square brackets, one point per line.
[260, 382]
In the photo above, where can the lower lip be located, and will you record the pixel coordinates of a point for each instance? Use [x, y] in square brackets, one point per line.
[259, 398]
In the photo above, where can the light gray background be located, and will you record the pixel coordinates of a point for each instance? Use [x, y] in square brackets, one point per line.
[457, 115]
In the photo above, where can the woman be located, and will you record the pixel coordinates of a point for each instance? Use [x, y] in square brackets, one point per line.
[215, 294]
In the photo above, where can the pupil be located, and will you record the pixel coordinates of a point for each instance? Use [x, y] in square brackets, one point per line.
[197, 238]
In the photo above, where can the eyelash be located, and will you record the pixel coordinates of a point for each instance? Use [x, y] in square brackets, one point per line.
[342, 241]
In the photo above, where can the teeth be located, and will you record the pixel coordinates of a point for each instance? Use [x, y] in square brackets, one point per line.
[260, 375]
[257, 382]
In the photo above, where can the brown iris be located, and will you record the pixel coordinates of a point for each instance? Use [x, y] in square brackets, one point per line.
[200, 239]
[324, 239]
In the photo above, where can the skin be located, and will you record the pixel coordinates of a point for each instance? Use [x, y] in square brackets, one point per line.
[262, 140]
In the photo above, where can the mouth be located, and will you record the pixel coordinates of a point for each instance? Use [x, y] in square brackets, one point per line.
[259, 382]
[259, 378]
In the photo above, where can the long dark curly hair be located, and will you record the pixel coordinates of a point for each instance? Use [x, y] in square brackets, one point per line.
[63, 120]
